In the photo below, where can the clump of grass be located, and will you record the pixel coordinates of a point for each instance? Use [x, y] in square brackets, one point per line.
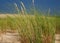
[32, 28]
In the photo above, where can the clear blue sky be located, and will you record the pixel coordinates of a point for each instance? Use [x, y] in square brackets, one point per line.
[7, 6]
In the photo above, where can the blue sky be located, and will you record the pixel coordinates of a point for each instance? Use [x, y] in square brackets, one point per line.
[7, 6]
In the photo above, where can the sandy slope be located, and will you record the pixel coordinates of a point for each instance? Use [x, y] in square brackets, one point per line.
[9, 38]
[57, 38]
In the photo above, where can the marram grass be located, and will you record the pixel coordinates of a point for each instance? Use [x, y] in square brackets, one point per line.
[32, 28]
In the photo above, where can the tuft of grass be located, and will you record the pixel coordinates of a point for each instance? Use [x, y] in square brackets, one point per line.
[32, 28]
